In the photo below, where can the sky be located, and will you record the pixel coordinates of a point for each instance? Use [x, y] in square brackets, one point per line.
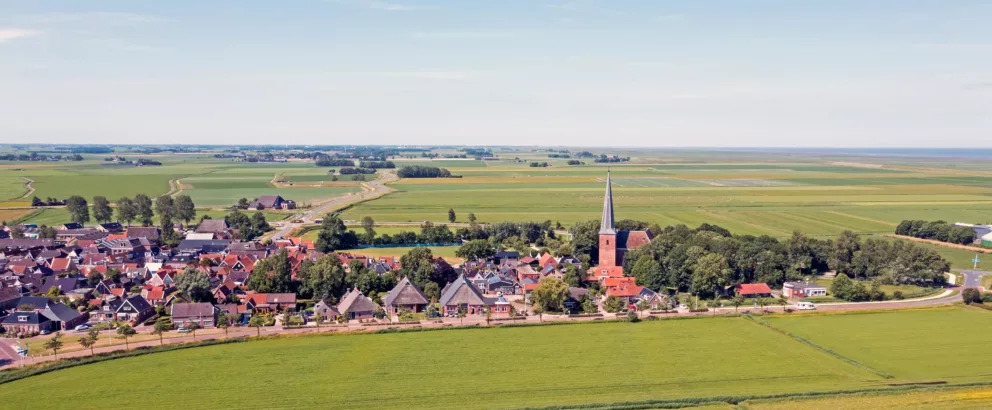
[657, 73]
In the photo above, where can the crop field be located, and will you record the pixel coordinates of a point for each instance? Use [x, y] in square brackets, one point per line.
[946, 344]
[747, 198]
[408, 371]
[942, 399]
[667, 359]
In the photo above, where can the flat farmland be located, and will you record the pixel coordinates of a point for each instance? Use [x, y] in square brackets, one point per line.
[58, 216]
[946, 344]
[671, 359]
[747, 198]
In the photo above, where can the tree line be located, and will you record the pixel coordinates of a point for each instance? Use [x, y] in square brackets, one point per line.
[937, 230]
[355, 170]
[418, 171]
[706, 259]
[376, 164]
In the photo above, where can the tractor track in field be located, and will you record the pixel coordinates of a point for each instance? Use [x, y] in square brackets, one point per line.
[27, 184]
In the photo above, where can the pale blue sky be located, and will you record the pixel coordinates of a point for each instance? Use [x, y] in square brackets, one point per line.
[582, 72]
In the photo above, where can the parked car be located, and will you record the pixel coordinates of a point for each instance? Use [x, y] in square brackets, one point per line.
[182, 330]
[805, 306]
[83, 327]
[45, 332]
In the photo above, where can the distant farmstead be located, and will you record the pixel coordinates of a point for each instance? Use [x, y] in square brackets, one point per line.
[271, 202]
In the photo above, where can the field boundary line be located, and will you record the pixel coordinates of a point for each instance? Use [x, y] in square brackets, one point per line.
[939, 243]
[738, 400]
[820, 348]
[863, 218]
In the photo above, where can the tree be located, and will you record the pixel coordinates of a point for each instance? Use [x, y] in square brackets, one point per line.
[471, 217]
[550, 294]
[127, 211]
[477, 249]
[585, 240]
[369, 225]
[613, 304]
[648, 272]
[489, 315]
[79, 210]
[17, 232]
[323, 279]
[193, 327]
[54, 344]
[243, 203]
[709, 274]
[539, 311]
[737, 301]
[272, 275]
[165, 207]
[971, 295]
[317, 320]
[194, 284]
[572, 276]
[47, 232]
[161, 327]
[225, 321]
[761, 302]
[143, 209]
[101, 209]
[125, 331]
[842, 251]
[88, 341]
[258, 223]
[643, 306]
[462, 312]
[432, 291]
[451, 215]
[257, 321]
[184, 210]
[334, 235]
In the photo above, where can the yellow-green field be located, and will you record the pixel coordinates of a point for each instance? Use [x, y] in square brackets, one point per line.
[555, 365]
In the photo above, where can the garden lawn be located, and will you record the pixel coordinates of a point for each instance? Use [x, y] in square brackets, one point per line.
[460, 369]
[933, 344]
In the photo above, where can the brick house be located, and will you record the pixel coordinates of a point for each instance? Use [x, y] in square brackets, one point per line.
[203, 314]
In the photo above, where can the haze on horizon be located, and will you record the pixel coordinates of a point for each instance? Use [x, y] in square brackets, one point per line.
[689, 73]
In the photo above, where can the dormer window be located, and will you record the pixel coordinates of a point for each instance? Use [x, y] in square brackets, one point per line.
[22, 318]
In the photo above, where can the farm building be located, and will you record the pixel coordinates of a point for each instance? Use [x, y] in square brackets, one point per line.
[802, 290]
[271, 202]
[753, 290]
[987, 240]
[982, 232]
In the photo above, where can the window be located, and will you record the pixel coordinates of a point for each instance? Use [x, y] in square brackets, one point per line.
[22, 318]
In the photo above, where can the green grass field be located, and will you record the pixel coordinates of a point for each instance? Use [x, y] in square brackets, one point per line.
[534, 366]
[935, 344]
[747, 198]
[545, 365]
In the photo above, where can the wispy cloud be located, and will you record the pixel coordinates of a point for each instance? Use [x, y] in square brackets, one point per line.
[93, 17]
[978, 86]
[467, 34]
[384, 5]
[958, 46]
[433, 75]
[7, 34]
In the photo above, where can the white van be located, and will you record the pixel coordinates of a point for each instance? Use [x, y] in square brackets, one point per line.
[805, 306]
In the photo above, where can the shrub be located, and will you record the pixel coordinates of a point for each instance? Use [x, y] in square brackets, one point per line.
[632, 317]
[971, 295]
[897, 295]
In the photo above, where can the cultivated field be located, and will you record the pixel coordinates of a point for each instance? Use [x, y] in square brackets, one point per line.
[547, 365]
[754, 195]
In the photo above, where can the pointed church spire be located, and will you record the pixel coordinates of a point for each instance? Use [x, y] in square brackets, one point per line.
[606, 224]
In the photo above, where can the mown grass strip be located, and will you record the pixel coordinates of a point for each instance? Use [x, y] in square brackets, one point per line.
[736, 400]
[820, 348]
[8, 376]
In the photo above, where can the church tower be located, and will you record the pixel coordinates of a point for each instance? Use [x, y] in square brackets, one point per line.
[607, 231]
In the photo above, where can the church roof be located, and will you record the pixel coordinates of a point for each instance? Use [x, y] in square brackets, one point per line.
[606, 224]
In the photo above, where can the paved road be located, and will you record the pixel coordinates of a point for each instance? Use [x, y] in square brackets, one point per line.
[376, 187]
[972, 278]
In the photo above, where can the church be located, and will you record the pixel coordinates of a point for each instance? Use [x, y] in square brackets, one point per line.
[614, 244]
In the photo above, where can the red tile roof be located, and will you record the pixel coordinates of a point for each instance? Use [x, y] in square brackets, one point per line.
[753, 288]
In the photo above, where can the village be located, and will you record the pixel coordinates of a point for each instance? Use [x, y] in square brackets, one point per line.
[124, 281]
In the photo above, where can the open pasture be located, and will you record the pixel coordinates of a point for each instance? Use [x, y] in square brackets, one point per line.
[670, 359]
[748, 198]
[946, 344]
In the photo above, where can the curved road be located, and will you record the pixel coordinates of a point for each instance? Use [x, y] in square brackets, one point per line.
[377, 188]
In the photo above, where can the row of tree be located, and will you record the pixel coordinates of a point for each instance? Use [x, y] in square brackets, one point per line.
[354, 170]
[325, 161]
[376, 164]
[938, 231]
[47, 202]
[417, 171]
